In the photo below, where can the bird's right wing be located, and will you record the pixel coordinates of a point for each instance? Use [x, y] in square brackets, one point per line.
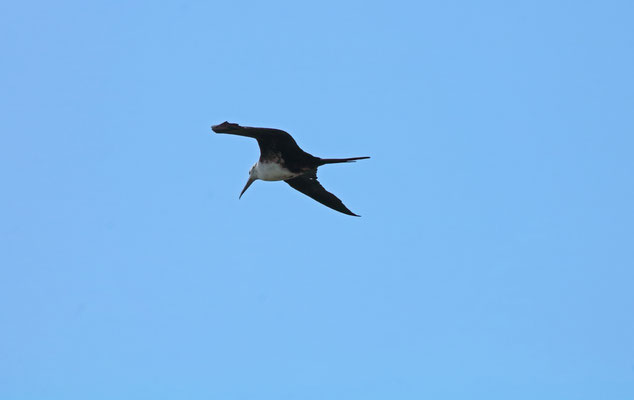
[310, 186]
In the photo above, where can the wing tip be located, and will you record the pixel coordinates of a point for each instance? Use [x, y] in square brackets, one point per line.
[348, 212]
[225, 127]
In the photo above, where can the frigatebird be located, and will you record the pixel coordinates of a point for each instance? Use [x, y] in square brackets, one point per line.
[281, 159]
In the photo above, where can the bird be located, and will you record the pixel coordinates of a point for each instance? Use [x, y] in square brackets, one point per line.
[281, 159]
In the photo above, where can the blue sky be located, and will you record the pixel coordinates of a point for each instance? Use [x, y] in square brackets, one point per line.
[494, 257]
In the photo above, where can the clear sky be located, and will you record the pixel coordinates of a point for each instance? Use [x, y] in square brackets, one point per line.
[495, 254]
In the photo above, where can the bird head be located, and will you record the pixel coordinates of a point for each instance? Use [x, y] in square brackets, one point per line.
[253, 176]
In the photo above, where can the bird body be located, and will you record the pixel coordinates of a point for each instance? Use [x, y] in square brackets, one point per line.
[281, 159]
[272, 171]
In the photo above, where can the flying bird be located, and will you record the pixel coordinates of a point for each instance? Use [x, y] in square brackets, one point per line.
[281, 159]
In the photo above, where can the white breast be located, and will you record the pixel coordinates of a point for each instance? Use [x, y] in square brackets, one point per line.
[272, 172]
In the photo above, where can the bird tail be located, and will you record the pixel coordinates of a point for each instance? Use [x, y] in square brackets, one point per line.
[323, 161]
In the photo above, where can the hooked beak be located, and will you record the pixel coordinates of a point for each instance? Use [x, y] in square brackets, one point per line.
[249, 182]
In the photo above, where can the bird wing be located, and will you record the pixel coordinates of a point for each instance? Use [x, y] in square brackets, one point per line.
[310, 186]
[274, 143]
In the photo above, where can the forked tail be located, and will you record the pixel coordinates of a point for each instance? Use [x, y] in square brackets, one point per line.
[323, 161]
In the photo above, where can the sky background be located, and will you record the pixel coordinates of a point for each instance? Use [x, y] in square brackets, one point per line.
[495, 254]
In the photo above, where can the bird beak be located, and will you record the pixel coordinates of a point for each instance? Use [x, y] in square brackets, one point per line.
[249, 182]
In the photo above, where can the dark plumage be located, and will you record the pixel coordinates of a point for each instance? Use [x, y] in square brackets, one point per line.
[282, 159]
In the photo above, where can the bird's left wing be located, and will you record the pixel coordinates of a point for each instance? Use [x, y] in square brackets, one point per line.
[272, 142]
[308, 184]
